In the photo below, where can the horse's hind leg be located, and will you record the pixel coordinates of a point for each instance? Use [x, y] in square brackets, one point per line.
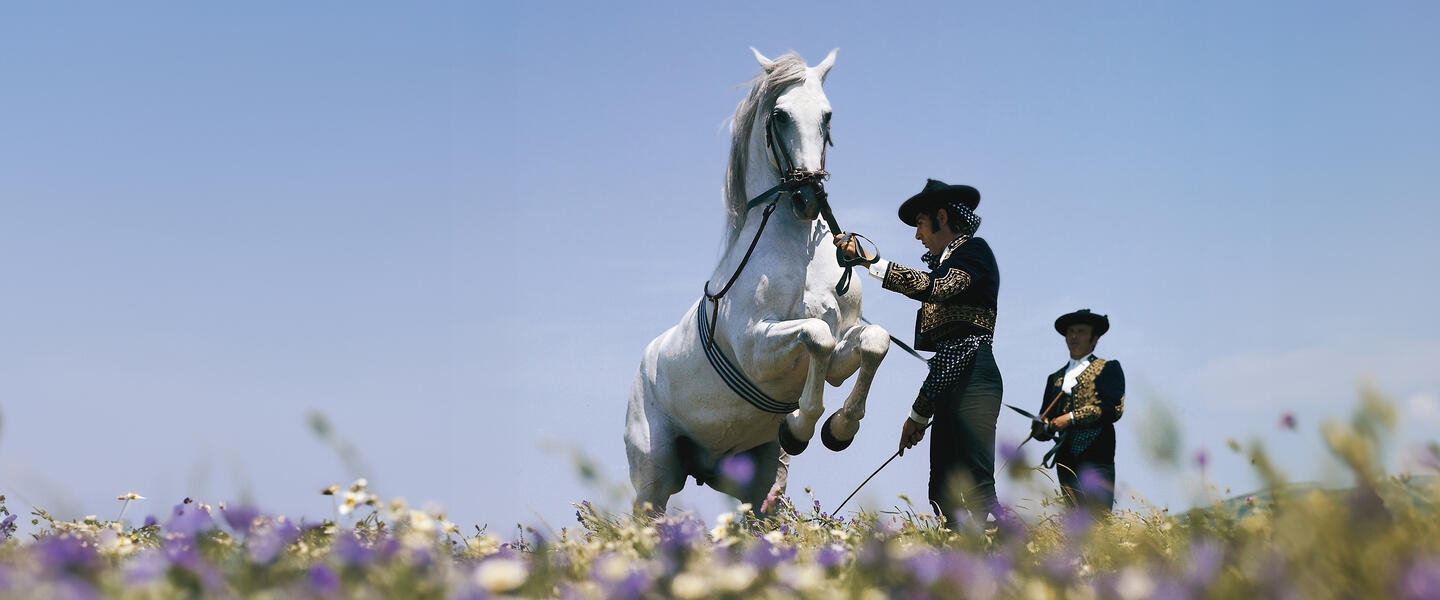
[862, 347]
[650, 445]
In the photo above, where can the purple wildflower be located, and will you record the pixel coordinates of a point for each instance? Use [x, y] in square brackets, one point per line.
[1012, 453]
[145, 567]
[832, 556]
[1092, 482]
[738, 468]
[1000, 566]
[323, 580]
[679, 533]
[7, 528]
[1201, 458]
[151, 521]
[925, 566]
[980, 577]
[1076, 523]
[1287, 420]
[241, 519]
[180, 551]
[765, 555]
[634, 585]
[265, 544]
[349, 549]
[66, 555]
[1204, 563]
[1421, 579]
[188, 519]
[617, 579]
[1061, 566]
[1007, 525]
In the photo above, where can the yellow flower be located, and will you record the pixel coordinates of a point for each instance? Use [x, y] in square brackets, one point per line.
[330, 491]
[130, 496]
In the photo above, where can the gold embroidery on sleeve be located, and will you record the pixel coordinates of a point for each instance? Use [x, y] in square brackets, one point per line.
[905, 280]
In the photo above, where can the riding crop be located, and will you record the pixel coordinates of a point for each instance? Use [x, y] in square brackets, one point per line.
[901, 451]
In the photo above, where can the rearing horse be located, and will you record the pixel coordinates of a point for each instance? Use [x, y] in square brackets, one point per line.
[780, 330]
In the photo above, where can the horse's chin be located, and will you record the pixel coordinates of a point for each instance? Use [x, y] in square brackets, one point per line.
[805, 206]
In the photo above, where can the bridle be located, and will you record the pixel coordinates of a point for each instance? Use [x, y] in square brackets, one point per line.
[793, 182]
[785, 165]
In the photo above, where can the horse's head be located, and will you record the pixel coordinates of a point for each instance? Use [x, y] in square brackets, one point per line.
[796, 132]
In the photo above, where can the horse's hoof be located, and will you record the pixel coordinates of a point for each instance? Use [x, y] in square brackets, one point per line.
[789, 443]
[829, 439]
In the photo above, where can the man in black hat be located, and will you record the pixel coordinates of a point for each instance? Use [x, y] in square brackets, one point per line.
[957, 321]
[1082, 402]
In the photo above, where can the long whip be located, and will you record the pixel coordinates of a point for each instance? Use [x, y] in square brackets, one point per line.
[877, 472]
[897, 453]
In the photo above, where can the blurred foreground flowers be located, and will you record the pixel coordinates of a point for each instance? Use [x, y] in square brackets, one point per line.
[1379, 538]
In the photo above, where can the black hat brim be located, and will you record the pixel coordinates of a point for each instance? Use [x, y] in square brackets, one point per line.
[1098, 323]
[933, 197]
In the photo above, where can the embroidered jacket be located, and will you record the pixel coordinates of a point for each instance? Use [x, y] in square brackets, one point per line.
[1096, 402]
[957, 299]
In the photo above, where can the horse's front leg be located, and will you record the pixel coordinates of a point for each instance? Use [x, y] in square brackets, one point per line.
[780, 344]
[861, 347]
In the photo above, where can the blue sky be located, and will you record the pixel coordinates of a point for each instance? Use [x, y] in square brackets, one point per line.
[452, 229]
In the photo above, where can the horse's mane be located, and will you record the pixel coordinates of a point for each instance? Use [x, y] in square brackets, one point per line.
[785, 71]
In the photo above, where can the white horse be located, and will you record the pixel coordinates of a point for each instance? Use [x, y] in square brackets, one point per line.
[780, 332]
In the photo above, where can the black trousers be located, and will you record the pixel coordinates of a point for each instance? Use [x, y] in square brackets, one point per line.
[962, 445]
[1088, 485]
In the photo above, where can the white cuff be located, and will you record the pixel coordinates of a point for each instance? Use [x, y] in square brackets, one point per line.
[878, 269]
[914, 416]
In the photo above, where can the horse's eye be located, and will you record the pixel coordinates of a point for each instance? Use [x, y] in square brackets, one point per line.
[780, 116]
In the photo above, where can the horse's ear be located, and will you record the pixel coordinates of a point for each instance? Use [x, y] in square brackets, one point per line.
[824, 67]
[765, 63]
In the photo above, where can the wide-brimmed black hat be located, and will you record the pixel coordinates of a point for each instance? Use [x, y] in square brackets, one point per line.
[937, 194]
[1098, 323]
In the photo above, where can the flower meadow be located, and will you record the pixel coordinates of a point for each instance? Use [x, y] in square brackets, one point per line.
[1377, 538]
